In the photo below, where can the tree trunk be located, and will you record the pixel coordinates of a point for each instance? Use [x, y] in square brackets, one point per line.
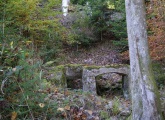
[144, 92]
[65, 4]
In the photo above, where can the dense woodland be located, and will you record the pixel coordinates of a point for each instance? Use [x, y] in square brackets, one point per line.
[36, 37]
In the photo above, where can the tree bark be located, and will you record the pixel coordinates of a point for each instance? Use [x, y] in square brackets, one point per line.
[144, 92]
[65, 4]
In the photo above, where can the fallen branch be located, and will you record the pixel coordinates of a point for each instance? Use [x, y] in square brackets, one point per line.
[3, 84]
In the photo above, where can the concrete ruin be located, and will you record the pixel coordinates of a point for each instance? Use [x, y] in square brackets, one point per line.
[60, 75]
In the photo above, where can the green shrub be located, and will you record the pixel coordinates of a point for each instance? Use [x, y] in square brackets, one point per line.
[118, 27]
[159, 74]
[22, 90]
[115, 107]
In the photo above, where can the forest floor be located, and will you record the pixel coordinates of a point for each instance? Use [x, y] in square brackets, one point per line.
[79, 105]
[85, 106]
[101, 53]
[98, 107]
[74, 104]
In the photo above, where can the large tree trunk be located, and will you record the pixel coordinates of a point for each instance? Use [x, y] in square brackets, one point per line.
[144, 92]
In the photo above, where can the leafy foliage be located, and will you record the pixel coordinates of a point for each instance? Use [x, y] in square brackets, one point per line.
[156, 28]
[156, 36]
[25, 27]
[23, 92]
[31, 33]
[100, 19]
[159, 74]
[118, 27]
[94, 12]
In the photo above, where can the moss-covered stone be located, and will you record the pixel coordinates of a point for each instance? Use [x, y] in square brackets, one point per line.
[49, 63]
[116, 65]
[73, 65]
[57, 75]
[73, 71]
[98, 77]
[92, 67]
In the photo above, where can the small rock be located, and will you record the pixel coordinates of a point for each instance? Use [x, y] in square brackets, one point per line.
[125, 113]
[113, 118]
[109, 106]
[50, 95]
[53, 97]
[46, 99]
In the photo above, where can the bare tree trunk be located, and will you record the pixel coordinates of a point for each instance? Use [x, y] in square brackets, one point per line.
[144, 92]
[65, 5]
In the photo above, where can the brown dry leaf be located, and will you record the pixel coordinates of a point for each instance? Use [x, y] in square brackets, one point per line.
[98, 103]
[64, 114]
[91, 97]
[79, 113]
[89, 111]
[66, 93]
[96, 118]
[13, 115]
[54, 89]
[83, 116]
[67, 107]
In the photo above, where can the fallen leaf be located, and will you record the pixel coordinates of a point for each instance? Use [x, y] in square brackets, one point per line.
[89, 112]
[54, 89]
[60, 109]
[96, 118]
[13, 115]
[98, 103]
[41, 105]
[67, 108]
[64, 114]
[83, 116]
[66, 93]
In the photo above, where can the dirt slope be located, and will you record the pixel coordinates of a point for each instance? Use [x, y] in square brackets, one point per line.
[101, 53]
